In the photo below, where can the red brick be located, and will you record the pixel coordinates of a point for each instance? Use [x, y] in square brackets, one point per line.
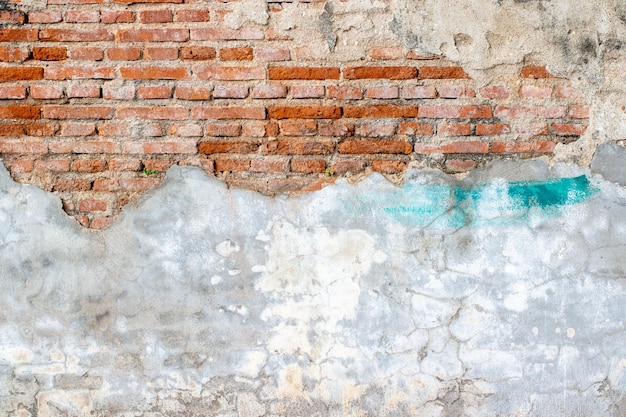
[307, 91]
[415, 129]
[236, 54]
[539, 146]
[12, 16]
[192, 15]
[305, 53]
[390, 73]
[154, 113]
[124, 54]
[210, 34]
[567, 92]
[454, 147]
[375, 146]
[229, 112]
[336, 129]
[376, 130]
[272, 54]
[440, 73]
[532, 129]
[154, 73]
[18, 35]
[77, 129]
[256, 129]
[492, 129]
[148, 1]
[346, 165]
[298, 128]
[53, 165]
[20, 112]
[7, 146]
[579, 112]
[382, 92]
[418, 91]
[269, 91]
[62, 184]
[265, 165]
[160, 54]
[154, 92]
[153, 35]
[117, 16]
[299, 147]
[495, 91]
[303, 73]
[89, 165]
[51, 16]
[19, 166]
[160, 165]
[76, 73]
[185, 130]
[307, 166]
[138, 184]
[99, 222]
[12, 92]
[151, 129]
[114, 129]
[82, 16]
[454, 129]
[91, 204]
[381, 111]
[156, 16]
[77, 112]
[345, 92]
[83, 91]
[456, 91]
[230, 73]
[459, 165]
[9, 54]
[159, 147]
[229, 165]
[46, 91]
[388, 167]
[118, 92]
[75, 35]
[49, 54]
[385, 53]
[125, 165]
[87, 147]
[535, 71]
[223, 130]
[41, 129]
[536, 91]
[550, 112]
[455, 112]
[87, 54]
[227, 147]
[11, 129]
[304, 112]
[192, 93]
[63, 2]
[197, 53]
[566, 129]
[21, 73]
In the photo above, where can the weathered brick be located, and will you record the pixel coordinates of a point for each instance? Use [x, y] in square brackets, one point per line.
[376, 130]
[153, 35]
[483, 129]
[155, 113]
[536, 91]
[382, 53]
[550, 112]
[160, 54]
[388, 167]
[440, 73]
[382, 92]
[52, 165]
[82, 16]
[456, 91]
[304, 112]
[101, 222]
[236, 54]
[345, 92]
[375, 146]
[18, 35]
[454, 129]
[390, 73]
[272, 54]
[46, 91]
[230, 112]
[454, 112]
[415, 129]
[77, 112]
[539, 146]
[303, 73]
[307, 166]
[567, 92]
[531, 129]
[118, 92]
[185, 130]
[12, 17]
[154, 73]
[12, 129]
[10, 54]
[535, 71]
[89, 165]
[336, 129]
[197, 53]
[77, 129]
[91, 204]
[117, 16]
[87, 54]
[192, 93]
[124, 54]
[114, 129]
[62, 184]
[14, 146]
[49, 54]
[229, 165]
[269, 91]
[154, 92]
[471, 147]
[156, 16]
[75, 35]
[159, 147]
[299, 147]
[83, 91]
[459, 165]
[344, 166]
[268, 165]
[227, 147]
[125, 165]
[380, 111]
[216, 34]
[82, 147]
[230, 91]
[230, 73]
[48, 16]
[578, 111]
[418, 91]
[192, 15]
[41, 129]
[495, 91]
[76, 73]
[307, 91]
[20, 112]
[298, 127]
[21, 73]
[223, 130]
[15, 92]
[568, 129]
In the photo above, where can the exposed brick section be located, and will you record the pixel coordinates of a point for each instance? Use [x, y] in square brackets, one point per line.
[94, 91]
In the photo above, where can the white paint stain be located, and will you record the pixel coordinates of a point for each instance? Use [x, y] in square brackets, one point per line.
[571, 332]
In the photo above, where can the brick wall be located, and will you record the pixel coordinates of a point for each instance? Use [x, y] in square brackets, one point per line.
[99, 98]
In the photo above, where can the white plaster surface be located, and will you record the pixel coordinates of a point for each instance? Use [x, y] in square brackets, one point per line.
[205, 301]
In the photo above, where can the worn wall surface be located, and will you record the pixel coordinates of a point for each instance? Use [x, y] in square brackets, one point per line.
[484, 276]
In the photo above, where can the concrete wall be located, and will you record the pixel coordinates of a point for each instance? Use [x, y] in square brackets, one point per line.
[495, 289]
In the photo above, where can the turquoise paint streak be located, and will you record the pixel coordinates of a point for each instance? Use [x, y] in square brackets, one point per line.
[498, 203]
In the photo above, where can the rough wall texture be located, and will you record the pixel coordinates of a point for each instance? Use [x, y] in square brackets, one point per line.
[502, 294]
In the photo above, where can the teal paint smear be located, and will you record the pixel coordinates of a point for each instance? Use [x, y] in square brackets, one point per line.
[498, 203]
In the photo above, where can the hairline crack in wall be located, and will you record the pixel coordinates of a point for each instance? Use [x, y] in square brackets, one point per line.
[502, 294]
